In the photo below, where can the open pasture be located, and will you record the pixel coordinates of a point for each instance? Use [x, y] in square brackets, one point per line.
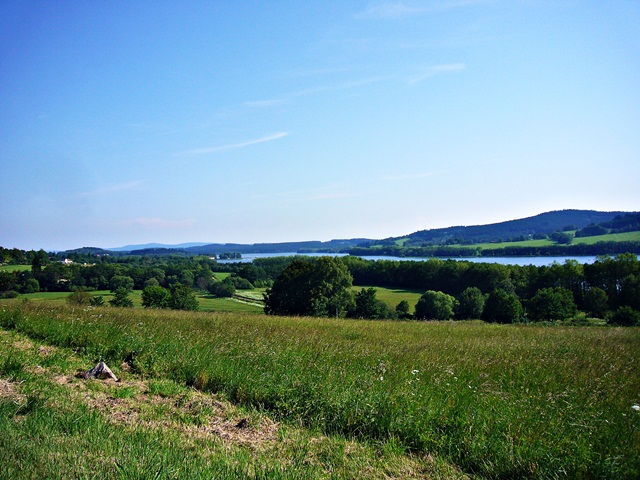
[393, 296]
[497, 401]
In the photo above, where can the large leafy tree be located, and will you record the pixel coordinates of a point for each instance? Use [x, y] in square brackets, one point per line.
[552, 304]
[121, 281]
[435, 306]
[311, 287]
[368, 306]
[183, 298]
[470, 304]
[596, 302]
[155, 296]
[502, 307]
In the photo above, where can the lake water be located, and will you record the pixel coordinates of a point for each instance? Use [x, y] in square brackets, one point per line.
[537, 261]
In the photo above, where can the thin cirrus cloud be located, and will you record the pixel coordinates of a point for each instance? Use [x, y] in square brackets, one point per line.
[436, 70]
[390, 10]
[233, 146]
[315, 90]
[110, 189]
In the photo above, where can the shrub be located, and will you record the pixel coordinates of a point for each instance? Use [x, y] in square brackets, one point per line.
[79, 297]
[222, 289]
[96, 301]
[625, 316]
[9, 294]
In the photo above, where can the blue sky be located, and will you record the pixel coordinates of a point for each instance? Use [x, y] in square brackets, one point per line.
[270, 121]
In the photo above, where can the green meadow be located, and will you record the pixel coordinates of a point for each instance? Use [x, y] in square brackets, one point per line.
[614, 237]
[248, 301]
[354, 399]
[15, 268]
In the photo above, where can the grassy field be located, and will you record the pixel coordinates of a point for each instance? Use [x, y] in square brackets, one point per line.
[15, 268]
[245, 301]
[616, 237]
[489, 401]
[207, 303]
[55, 425]
[393, 296]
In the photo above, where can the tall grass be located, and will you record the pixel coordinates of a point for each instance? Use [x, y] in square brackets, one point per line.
[500, 401]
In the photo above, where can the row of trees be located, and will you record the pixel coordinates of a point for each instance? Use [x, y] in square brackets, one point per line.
[301, 286]
[609, 288]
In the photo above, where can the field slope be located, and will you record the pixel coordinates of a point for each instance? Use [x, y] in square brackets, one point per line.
[493, 401]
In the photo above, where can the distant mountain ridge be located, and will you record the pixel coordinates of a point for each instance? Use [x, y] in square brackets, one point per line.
[146, 246]
[542, 224]
[524, 228]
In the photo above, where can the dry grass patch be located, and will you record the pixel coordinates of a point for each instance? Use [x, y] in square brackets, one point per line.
[10, 391]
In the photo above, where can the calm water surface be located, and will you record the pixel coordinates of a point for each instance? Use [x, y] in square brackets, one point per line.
[537, 261]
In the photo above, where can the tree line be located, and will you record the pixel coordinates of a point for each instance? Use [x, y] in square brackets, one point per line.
[609, 288]
[303, 286]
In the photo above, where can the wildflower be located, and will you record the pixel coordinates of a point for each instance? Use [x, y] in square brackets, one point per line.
[636, 407]
[413, 372]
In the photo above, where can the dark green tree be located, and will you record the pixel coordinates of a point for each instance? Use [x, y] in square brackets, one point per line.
[121, 281]
[368, 306]
[40, 259]
[596, 302]
[502, 307]
[31, 285]
[403, 308]
[7, 281]
[155, 296]
[435, 306]
[630, 292]
[121, 298]
[561, 238]
[223, 289]
[183, 298]
[470, 304]
[552, 304]
[97, 301]
[311, 287]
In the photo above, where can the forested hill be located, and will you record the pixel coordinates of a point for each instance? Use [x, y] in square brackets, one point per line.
[301, 247]
[512, 230]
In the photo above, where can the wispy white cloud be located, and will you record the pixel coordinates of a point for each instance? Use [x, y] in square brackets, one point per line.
[154, 222]
[433, 70]
[315, 90]
[233, 146]
[110, 189]
[391, 10]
